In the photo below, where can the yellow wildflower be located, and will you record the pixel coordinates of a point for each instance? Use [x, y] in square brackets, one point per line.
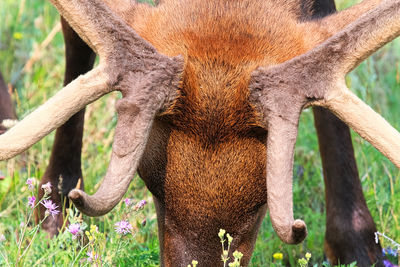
[230, 238]
[17, 35]
[94, 229]
[221, 233]
[278, 256]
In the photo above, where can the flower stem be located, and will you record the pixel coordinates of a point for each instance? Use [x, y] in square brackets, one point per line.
[22, 237]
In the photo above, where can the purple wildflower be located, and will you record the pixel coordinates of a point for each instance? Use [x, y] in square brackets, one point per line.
[47, 188]
[128, 201]
[123, 227]
[51, 207]
[140, 205]
[74, 229]
[387, 263]
[92, 256]
[391, 251]
[31, 201]
[2, 238]
[30, 182]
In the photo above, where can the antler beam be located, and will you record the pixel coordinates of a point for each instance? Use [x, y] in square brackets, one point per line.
[317, 78]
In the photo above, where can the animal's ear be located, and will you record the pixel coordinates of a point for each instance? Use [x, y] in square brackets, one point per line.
[317, 78]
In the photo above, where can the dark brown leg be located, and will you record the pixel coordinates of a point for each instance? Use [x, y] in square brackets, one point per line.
[314, 9]
[6, 106]
[349, 225]
[65, 160]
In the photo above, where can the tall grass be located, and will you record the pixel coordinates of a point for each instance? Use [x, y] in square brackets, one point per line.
[23, 27]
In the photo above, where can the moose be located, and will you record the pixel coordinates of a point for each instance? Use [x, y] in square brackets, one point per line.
[212, 92]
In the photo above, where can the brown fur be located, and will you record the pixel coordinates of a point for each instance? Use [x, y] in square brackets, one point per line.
[212, 174]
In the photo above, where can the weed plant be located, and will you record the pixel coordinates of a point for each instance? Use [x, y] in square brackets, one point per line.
[25, 25]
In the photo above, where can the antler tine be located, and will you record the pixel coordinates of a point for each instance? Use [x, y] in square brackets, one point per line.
[348, 48]
[332, 24]
[106, 30]
[363, 120]
[345, 51]
[134, 123]
[282, 135]
[54, 113]
[376, 28]
[94, 22]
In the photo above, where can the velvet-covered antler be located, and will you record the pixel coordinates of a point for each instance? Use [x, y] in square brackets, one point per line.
[317, 78]
[148, 82]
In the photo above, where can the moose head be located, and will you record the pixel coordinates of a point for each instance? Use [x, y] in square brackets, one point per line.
[212, 92]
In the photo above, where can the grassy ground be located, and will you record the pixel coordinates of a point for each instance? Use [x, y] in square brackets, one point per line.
[26, 24]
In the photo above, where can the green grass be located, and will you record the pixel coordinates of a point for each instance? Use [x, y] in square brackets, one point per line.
[25, 24]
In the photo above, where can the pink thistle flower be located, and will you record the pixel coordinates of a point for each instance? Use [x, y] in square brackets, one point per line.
[47, 188]
[30, 182]
[123, 227]
[128, 201]
[31, 201]
[74, 229]
[51, 207]
[92, 256]
[140, 205]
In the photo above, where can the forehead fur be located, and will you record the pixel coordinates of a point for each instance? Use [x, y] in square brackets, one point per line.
[233, 31]
[222, 43]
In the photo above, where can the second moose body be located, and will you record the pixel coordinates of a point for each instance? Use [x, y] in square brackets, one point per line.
[210, 143]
